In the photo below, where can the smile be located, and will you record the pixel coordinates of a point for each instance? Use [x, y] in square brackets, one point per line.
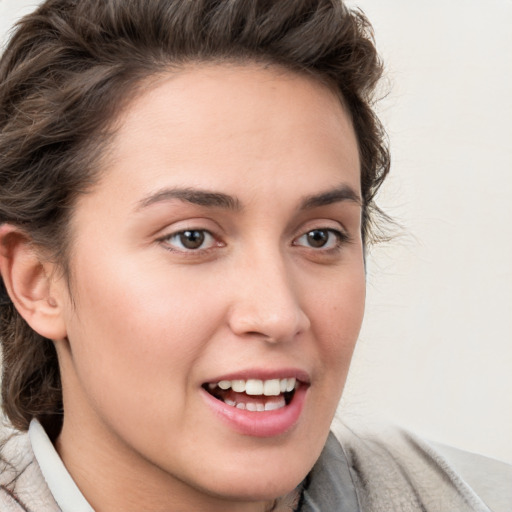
[254, 395]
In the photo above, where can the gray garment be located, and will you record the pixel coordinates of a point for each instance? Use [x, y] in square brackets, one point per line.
[395, 471]
[329, 485]
[491, 479]
[388, 472]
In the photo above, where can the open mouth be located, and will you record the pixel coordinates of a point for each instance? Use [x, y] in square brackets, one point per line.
[253, 394]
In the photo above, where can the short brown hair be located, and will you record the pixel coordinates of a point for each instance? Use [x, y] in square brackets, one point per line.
[69, 69]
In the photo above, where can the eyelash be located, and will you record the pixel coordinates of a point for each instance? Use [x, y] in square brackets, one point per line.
[340, 238]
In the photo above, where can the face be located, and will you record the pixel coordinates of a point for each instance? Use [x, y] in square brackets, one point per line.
[218, 289]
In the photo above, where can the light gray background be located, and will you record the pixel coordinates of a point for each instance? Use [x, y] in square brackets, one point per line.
[435, 352]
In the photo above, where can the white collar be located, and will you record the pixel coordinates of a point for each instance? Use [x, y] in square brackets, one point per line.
[59, 481]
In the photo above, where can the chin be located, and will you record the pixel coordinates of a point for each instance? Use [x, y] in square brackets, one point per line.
[256, 488]
[261, 480]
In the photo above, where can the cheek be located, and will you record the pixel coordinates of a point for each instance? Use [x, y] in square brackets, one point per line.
[141, 304]
[136, 333]
[337, 321]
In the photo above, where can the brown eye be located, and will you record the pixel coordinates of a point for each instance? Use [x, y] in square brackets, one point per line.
[190, 240]
[321, 239]
[317, 237]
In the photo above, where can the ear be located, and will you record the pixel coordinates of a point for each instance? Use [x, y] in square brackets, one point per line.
[30, 283]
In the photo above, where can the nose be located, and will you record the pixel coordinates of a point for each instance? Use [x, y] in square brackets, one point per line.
[265, 301]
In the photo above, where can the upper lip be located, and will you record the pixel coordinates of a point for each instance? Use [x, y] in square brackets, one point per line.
[264, 374]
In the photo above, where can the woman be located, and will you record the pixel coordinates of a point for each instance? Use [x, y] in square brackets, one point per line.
[187, 189]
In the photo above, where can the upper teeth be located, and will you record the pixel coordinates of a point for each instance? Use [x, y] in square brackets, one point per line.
[272, 387]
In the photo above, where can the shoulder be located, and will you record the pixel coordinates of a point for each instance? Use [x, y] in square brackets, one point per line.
[22, 486]
[489, 478]
[393, 466]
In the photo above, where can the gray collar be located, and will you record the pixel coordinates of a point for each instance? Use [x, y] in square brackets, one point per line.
[329, 485]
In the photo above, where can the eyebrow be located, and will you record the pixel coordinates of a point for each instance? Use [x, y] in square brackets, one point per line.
[194, 196]
[342, 193]
[225, 201]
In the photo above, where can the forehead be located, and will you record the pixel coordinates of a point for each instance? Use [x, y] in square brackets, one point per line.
[211, 124]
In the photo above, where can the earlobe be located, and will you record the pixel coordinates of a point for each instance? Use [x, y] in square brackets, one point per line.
[29, 283]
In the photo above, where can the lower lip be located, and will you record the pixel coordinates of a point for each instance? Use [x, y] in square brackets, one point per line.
[259, 424]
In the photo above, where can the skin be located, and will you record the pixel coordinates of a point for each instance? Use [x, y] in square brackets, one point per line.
[151, 321]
